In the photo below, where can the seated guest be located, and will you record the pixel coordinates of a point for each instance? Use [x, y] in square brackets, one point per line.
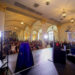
[13, 48]
[57, 44]
[64, 43]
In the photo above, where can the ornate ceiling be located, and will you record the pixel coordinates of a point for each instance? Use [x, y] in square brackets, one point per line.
[29, 11]
[17, 22]
[54, 10]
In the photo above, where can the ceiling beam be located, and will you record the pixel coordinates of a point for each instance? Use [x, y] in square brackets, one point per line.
[11, 7]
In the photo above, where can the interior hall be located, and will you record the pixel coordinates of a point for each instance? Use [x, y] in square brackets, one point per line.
[37, 37]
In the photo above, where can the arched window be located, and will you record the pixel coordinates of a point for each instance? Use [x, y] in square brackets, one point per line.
[51, 32]
[50, 35]
[34, 35]
[26, 34]
[39, 34]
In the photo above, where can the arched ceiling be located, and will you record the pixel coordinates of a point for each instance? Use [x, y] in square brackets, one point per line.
[53, 11]
[33, 10]
[13, 21]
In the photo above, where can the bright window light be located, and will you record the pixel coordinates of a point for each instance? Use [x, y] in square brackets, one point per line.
[0, 33]
[46, 36]
[50, 34]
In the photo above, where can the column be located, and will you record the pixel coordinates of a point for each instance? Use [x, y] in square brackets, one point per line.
[30, 27]
[44, 32]
[2, 20]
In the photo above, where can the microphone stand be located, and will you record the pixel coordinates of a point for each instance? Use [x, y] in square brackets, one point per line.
[1, 48]
[3, 64]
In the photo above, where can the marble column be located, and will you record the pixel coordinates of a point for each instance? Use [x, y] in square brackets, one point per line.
[44, 32]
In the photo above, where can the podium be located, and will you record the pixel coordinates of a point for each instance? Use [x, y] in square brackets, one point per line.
[25, 58]
[59, 56]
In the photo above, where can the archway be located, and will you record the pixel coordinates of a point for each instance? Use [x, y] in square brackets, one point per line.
[26, 34]
[39, 34]
[52, 32]
[34, 35]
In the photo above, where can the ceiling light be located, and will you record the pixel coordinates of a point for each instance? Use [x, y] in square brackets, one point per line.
[15, 27]
[64, 14]
[72, 20]
[47, 3]
[22, 22]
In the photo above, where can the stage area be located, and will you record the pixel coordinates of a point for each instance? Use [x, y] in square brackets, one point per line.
[43, 64]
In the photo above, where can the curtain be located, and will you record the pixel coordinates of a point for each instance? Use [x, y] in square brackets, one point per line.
[71, 36]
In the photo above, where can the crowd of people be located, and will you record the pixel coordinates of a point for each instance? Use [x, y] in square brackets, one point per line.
[13, 46]
[61, 44]
[35, 45]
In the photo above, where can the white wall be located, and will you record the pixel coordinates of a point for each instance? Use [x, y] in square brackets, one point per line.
[63, 28]
[2, 20]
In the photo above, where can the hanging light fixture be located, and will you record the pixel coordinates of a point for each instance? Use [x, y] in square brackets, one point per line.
[22, 22]
[72, 20]
[64, 14]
